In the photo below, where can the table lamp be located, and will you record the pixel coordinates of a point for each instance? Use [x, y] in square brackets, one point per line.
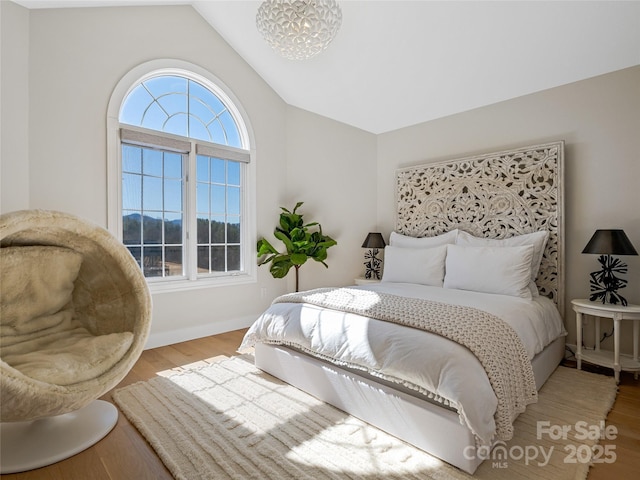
[604, 283]
[373, 242]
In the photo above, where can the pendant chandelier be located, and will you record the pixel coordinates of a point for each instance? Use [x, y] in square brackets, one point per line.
[299, 29]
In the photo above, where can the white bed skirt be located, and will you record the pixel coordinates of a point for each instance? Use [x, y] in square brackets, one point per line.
[408, 416]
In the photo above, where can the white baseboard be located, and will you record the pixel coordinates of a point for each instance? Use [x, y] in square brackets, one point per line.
[162, 339]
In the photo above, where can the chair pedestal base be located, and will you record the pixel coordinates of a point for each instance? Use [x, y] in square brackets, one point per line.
[37, 443]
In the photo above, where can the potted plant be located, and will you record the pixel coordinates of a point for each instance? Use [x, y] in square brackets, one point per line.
[301, 242]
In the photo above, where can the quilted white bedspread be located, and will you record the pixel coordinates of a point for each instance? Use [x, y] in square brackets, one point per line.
[428, 363]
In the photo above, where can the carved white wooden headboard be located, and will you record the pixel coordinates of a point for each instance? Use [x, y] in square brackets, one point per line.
[495, 195]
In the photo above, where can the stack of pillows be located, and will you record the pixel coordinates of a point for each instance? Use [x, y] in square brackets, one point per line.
[459, 260]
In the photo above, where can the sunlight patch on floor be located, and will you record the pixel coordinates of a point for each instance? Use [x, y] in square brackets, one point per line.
[191, 366]
[357, 448]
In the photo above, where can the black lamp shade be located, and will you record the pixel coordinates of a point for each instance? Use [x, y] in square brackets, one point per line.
[610, 242]
[374, 240]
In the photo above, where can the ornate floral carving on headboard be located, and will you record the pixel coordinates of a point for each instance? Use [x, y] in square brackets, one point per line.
[495, 195]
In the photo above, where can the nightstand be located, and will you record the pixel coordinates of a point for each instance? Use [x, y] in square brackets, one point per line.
[365, 281]
[604, 358]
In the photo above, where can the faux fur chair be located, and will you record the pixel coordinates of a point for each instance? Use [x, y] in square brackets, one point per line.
[75, 315]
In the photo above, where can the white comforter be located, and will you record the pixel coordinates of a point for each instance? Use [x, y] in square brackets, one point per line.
[428, 363]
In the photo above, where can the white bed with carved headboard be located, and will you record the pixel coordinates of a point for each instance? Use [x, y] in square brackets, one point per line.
[464, 327]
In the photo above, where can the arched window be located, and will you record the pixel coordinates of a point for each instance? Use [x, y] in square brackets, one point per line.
[179, 105]
[183, 193]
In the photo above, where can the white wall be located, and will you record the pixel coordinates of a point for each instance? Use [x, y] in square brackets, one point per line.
[599, 120]
[332, 168]
[76, 58]
[14, 98]
[59, 68]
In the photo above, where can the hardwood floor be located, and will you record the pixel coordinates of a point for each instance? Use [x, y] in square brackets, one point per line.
[124, 454]
[625, 415]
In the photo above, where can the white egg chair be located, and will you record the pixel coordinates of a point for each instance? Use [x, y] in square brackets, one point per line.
[75, 316]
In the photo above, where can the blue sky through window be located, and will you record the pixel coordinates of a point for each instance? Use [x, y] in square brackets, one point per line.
[182, 107]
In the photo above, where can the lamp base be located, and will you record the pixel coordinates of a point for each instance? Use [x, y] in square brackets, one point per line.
[372, 265]
[604, 283]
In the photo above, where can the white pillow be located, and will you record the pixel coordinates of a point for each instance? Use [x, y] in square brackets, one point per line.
[414, 265]
[500, 270]
[537, 239]
[405, 241]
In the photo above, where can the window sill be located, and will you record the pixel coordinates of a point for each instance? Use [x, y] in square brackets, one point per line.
[168, 286]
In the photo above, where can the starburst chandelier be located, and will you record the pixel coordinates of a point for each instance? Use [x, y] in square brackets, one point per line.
[299, 29]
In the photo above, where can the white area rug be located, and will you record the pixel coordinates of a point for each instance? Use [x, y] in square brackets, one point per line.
[230, 420]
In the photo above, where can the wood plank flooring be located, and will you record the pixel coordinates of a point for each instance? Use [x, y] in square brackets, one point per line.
[124, 454]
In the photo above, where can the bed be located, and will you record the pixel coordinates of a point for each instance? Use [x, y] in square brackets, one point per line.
[465, 325]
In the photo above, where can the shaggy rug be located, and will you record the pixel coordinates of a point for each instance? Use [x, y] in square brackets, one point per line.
[230, 420]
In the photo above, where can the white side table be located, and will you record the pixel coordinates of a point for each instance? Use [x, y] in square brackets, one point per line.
[618, 313]
[365, 281]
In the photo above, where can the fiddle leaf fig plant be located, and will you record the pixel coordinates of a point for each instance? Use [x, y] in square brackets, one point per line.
[301, 241]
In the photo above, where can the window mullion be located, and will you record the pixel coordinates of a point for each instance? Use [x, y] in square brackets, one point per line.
[163, 244]
[191, 240]
[209, 216]
[244, 215]
[226, 214]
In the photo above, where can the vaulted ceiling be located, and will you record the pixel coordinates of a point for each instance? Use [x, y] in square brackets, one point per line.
[399, 63]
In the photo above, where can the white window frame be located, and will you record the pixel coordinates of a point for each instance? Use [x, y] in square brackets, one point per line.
[248, 172]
